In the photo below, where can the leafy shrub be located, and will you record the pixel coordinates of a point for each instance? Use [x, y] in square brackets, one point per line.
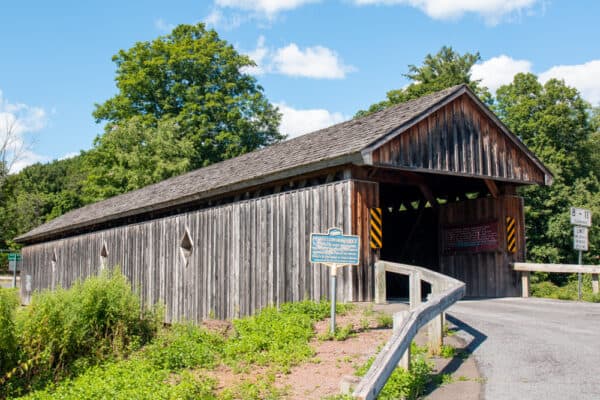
[184, 346]
[131, 379]
[9, 302]
[96, 319]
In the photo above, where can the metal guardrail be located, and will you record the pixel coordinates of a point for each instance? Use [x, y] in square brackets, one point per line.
[445, 292]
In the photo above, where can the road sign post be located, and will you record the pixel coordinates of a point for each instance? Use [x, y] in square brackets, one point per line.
[334, 249]
[582, 220]
[12, 266]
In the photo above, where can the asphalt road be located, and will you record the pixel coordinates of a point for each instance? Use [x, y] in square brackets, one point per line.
[533, 348]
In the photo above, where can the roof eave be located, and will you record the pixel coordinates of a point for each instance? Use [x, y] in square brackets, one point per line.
[353, 158]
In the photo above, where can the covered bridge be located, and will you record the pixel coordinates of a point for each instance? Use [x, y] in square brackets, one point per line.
[232, 237]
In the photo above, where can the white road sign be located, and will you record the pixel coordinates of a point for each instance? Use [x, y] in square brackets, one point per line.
[580, 238]
[581, 217]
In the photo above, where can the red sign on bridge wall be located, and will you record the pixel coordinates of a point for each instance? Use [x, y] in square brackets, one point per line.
[476, 238]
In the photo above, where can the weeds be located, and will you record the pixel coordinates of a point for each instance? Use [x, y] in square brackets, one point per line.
[385, 321]
[401, 383]
[447, 351]
[340, 334]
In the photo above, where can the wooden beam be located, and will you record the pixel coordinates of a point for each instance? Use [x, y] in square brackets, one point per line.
[492, 187]
[559, 268]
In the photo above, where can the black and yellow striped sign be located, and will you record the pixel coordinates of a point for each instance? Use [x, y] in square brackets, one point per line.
[376, 228]
[511, 235]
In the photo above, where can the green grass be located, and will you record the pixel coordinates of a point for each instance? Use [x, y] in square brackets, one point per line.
[92, 341]
[129, 379]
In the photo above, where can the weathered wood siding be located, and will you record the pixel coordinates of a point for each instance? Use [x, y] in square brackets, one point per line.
[459, 139]
[487, 274]
[246, 255]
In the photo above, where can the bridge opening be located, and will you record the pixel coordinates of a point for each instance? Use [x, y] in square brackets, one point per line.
[410, 234]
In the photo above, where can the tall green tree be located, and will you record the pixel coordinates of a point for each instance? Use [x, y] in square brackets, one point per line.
[442, 70]
[133, 154]
[555, 123]
[196, 80]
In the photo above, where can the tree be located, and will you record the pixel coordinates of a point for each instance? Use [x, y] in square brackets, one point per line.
[12, 145]
[445, 69]
[134, 154]
[554, 122]
[194, 79]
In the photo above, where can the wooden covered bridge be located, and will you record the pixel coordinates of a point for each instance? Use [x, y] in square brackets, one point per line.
[233, 237]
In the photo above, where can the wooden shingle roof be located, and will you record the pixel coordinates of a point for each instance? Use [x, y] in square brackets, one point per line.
[336, 145]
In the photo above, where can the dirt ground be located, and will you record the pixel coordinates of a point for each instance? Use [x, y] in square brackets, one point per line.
[321, 376]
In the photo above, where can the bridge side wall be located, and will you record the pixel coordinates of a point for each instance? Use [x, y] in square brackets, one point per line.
[246, 255]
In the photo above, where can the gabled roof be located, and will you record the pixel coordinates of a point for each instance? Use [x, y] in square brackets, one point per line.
[339, 144]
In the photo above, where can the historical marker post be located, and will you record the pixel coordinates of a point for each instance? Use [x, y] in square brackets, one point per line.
[582, 220]
[12, 266]
[334, 249]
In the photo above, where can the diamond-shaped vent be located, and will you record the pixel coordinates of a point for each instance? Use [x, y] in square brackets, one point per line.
[103, 256]
[186, 247]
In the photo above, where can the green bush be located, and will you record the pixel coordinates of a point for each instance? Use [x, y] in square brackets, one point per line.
[568, 291]
[96, 319]
[184, 346]
[9, 301]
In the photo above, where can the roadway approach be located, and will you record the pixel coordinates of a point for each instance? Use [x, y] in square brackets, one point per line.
[532, 348]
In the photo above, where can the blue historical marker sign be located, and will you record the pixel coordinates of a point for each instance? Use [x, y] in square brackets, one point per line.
[334, 247]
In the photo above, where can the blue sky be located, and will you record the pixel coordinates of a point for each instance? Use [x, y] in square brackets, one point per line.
[319, 61]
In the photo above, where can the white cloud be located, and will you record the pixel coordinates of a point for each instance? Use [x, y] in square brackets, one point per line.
[258, 55]
[217, 19]
[493, 11]
[268, 8]
[27, 158]
[312, 62]
[69, 155]
[498, 71]
[163, 26]
[585, 77]
[295, 122]
[16, 121]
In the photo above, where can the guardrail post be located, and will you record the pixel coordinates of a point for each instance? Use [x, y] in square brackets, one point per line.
[398, 318]
[595, 283]
[435, 334]
[380, 289]
[414, 289]
[525, 283]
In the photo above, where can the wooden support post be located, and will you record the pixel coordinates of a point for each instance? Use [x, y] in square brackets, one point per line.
[380, 289]
[595, 286]
[492, 187]
[435, 334]
[414, 289]
[525, 283]
[398, 318]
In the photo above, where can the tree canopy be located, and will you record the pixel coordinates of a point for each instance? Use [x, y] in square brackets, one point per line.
[183, 101]
[195, 80]
[442, 70]
[558, 126]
